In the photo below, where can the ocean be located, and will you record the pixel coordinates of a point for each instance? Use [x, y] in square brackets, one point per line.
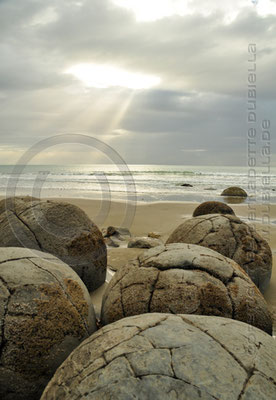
[143, 183]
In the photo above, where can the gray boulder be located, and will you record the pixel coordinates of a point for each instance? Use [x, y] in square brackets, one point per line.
[144, 242]
[45, 312]
[59, 228]
[164, 356]
[234, 191]
[235, 239]
[187, 279]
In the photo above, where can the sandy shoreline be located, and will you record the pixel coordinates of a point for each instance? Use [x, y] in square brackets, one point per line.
[164, 218]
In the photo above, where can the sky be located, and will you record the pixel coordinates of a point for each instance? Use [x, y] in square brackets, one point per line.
[159, 81]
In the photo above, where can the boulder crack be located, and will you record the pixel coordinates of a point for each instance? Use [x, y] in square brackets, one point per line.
[152, 291]
[250, 374]
[28, 227]
[216, 340]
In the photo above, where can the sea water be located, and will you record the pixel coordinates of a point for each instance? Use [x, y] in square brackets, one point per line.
[148, 183]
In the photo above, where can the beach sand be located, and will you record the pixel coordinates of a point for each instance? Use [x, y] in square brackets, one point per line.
[164, 218]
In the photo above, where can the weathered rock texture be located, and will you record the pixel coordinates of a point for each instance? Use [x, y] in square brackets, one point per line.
[234, 191]
[116, 236]
[235, 239]
[117, 231]
[161, 356]
[186, 279]
[212, 207]
[144, 242]
[45, 312]
[61, 229]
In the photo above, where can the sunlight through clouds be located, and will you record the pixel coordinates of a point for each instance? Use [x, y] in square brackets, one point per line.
[105, 76]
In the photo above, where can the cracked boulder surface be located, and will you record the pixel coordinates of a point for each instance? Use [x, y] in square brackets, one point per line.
[184, 279]
[165, 356]
[45, 313]
[213, 207]
[231, 237]
[58, 228]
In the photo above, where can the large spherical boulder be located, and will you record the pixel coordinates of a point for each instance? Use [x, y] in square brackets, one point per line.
[235, 239]
[234, 191]
[212, 207]
[45, 312]
[184, 279]
[59, 228]
[161, 356]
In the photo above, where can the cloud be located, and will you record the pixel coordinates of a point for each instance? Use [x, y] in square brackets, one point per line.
[193, 150]
[201, 60]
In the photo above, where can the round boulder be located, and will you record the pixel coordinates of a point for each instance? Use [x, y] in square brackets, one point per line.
[235, 239]
[234, 191]
[184, 279]
[45, 312]
[212, 207]
[164, 356]
[59, 228]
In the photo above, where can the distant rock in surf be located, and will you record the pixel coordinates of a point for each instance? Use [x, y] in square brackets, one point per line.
[234, 191]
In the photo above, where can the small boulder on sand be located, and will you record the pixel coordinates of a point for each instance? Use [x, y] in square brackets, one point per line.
[233, 238]
[45, 312]
[59, 228]
[116, 236]
[154, 235]
[186, 279]
[168, 357]
[234, 191]
[144, 243]
[212, 207]
[116, 231]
